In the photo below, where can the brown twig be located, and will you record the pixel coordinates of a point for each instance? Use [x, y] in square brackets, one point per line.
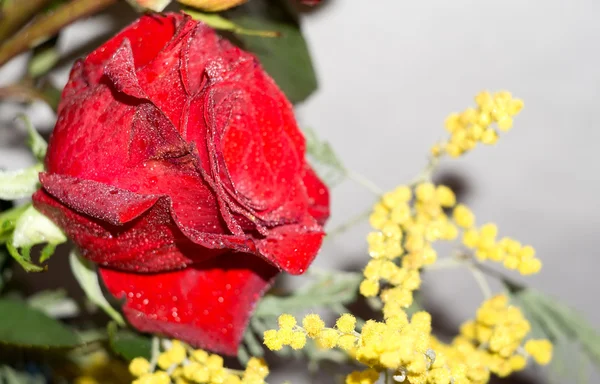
[21, 93]
[16, 13]
[49, 24]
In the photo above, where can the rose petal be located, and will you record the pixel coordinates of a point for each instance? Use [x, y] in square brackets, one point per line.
[207, 305]
[318, 195]
[150, 243]
[155, 28]
[101, 201]
[292, 247]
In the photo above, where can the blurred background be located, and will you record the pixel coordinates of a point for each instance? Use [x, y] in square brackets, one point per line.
[390, 72]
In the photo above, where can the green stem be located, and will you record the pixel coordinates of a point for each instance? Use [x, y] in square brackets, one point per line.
[481, 280]
[16, 13]
[427, 173]
[360, 179]
[48, 25]
[155, 351]
[348, 224]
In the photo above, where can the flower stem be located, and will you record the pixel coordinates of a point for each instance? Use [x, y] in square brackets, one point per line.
[481, 281]
[155, 351]
[16, 13]
[48, 25]
[348, 224]
[360, 179]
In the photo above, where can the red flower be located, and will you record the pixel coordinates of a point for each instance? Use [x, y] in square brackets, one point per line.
[177, 166]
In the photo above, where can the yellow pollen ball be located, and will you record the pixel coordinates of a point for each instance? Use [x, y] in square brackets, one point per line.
[313, 324]
[272, 340]
[328, 338]
[369, 288]
[425, 191]
[139, 366]
[177, 352]
[214, 362]
[540, 350]
[463, 216]
[286, 321]
[298, 340]
[489, 137]
[346, 323]
[445, 196]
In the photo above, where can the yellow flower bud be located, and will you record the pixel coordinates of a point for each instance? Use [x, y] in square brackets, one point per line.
[139, 366]
[540, 350]
[369, 288]
[463, 216]
[313, 324]
[346, 323]
[286, 321]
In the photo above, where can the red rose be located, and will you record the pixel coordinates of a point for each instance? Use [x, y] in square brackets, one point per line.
[177, 166]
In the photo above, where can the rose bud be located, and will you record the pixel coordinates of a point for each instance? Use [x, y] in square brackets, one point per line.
[177, 166]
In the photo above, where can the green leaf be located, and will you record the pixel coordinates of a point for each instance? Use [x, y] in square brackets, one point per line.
[324, 159]
[35, 141]
[128, 344]
[3, 259]
[550, 318]
[285, 58]
[216, 21]
[337, 288]
[43, 59]
[32, 228]
[21, 325]
[54, 303]
[23, 258]
[8, 219]
[20, 183]
[87, 277]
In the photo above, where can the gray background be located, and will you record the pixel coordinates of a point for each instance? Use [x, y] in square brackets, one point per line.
[390, 71]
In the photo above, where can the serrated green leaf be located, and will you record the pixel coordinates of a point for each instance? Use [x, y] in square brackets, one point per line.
[560, 324]
[338, 288]
[128, 344]
[242, 355]
[254, 346]
[35, 141]
[216, 21]
[324, 159]
[580, 329]
[87, 277]
[285, 58]
[20, 183]
[32, 228]
[21, 325]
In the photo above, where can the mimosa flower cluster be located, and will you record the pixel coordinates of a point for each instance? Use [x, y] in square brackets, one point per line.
[179, 364]
[493, 343]
[406, 223]
[480, 124]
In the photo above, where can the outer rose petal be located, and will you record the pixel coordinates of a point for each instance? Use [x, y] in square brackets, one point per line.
[208, 305]
[318, 196]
